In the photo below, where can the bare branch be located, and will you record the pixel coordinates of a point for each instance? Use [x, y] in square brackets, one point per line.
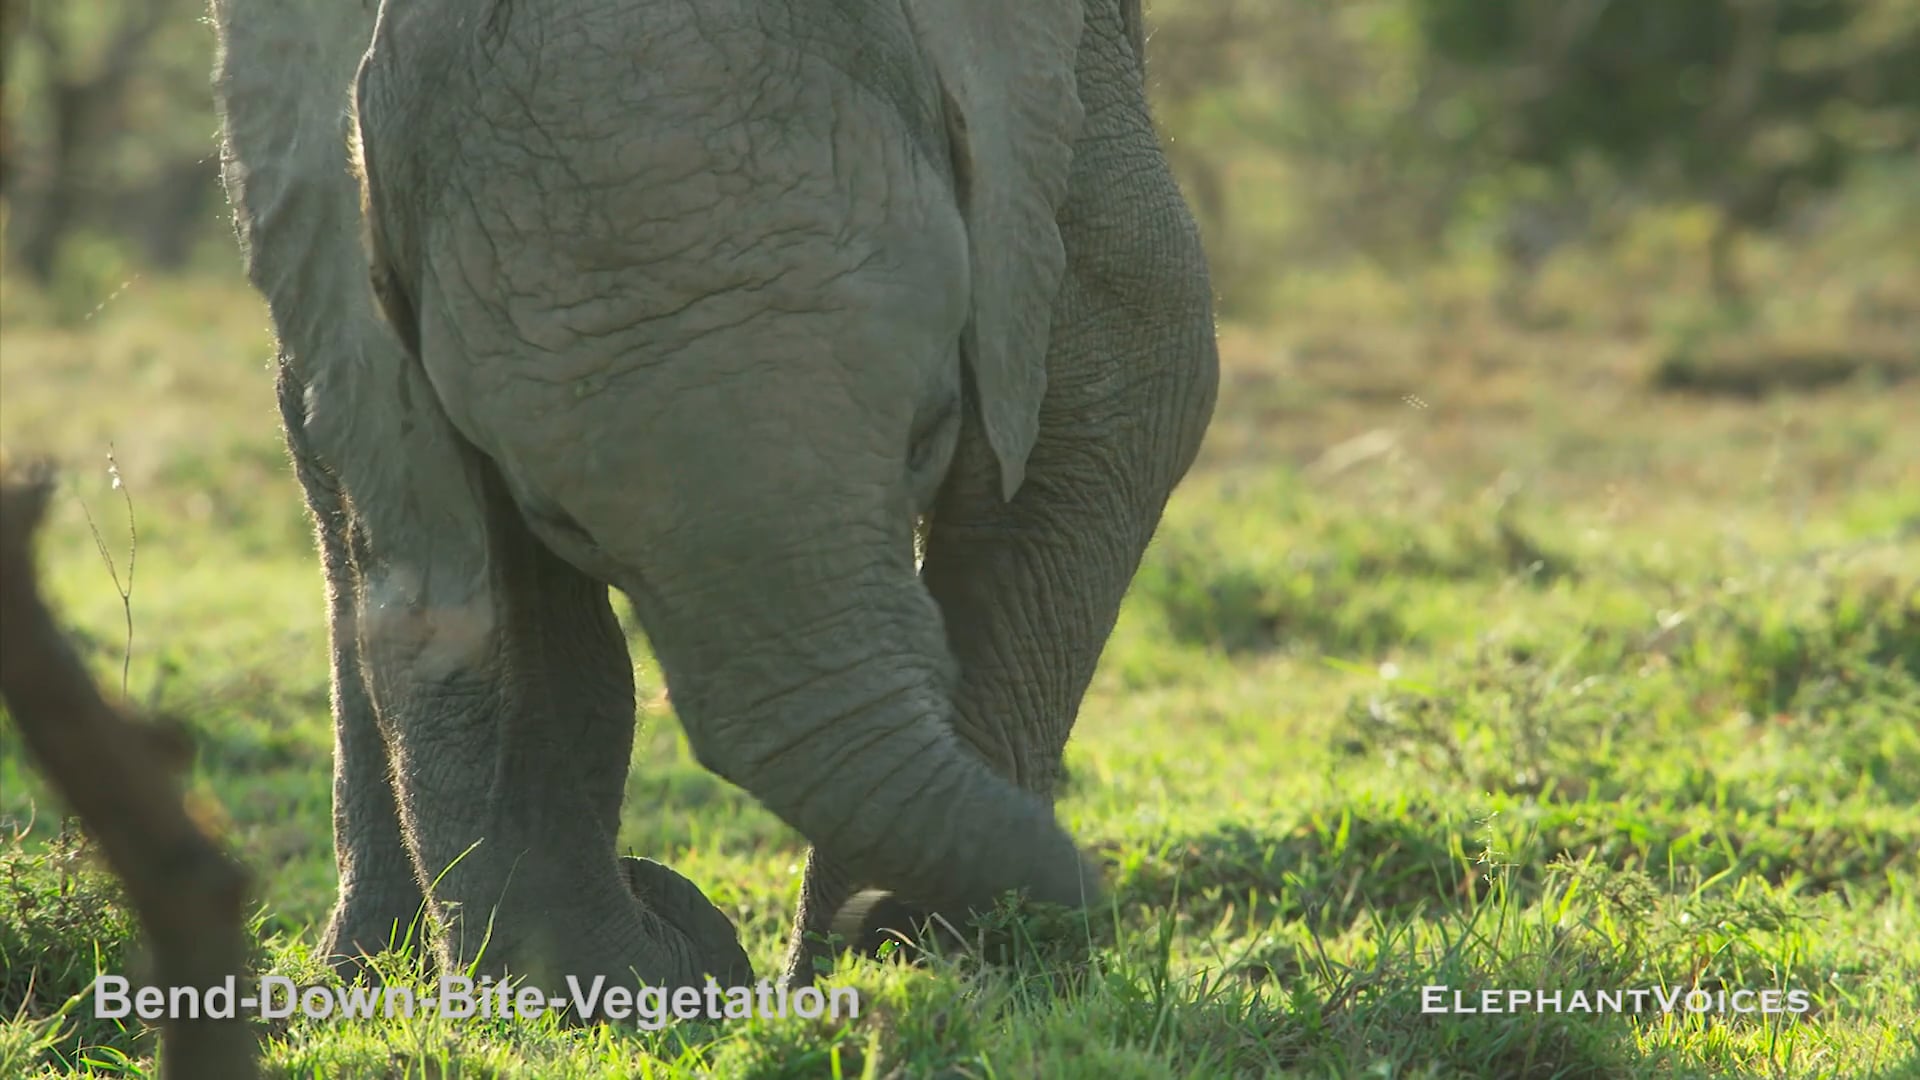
[189, 895]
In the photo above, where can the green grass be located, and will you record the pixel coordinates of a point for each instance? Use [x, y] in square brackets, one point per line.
[1471, 655]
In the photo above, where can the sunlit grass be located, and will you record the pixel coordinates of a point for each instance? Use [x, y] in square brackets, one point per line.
[1468, 656]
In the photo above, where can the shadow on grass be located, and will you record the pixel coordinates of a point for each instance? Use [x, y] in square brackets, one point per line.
[1334, 867]
[1753, 370]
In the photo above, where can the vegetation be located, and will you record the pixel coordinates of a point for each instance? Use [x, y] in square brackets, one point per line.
[1563, 637]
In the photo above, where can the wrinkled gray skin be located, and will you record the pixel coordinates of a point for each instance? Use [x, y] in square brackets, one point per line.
[711, 301]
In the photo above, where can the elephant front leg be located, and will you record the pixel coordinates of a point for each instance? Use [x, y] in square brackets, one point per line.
[379, 899]
[506, 691]
[380, 902]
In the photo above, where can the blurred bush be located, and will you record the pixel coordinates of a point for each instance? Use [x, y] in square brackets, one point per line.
[1751, 106]
[1401, 131]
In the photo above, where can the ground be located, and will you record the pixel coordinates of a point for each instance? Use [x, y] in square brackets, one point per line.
[1577, 651]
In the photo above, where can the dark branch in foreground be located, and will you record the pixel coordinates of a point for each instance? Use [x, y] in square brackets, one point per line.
[189, 895]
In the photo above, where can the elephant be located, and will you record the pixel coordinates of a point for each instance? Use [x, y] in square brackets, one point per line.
[858, 343]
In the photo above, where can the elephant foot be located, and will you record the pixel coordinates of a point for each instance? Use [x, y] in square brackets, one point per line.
[714, 939]
[577, 937]
[363, 926]
[1016, 931]
[864, 924]
[874, 919]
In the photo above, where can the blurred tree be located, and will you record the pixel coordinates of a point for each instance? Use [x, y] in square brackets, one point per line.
[10, 12]
[108, 123]
[1749, 105]
[1310, 129]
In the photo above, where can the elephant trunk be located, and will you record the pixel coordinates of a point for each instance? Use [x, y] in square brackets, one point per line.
[836, 712]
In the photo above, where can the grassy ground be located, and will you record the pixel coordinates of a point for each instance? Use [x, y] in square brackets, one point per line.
[1580, 653]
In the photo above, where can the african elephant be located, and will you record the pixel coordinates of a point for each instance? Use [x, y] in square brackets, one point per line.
[713, 303]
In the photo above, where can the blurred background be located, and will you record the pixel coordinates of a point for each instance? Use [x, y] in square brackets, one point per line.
[1375, 141]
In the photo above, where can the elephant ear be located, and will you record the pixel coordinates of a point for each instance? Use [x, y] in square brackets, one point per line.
[1013, 111]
